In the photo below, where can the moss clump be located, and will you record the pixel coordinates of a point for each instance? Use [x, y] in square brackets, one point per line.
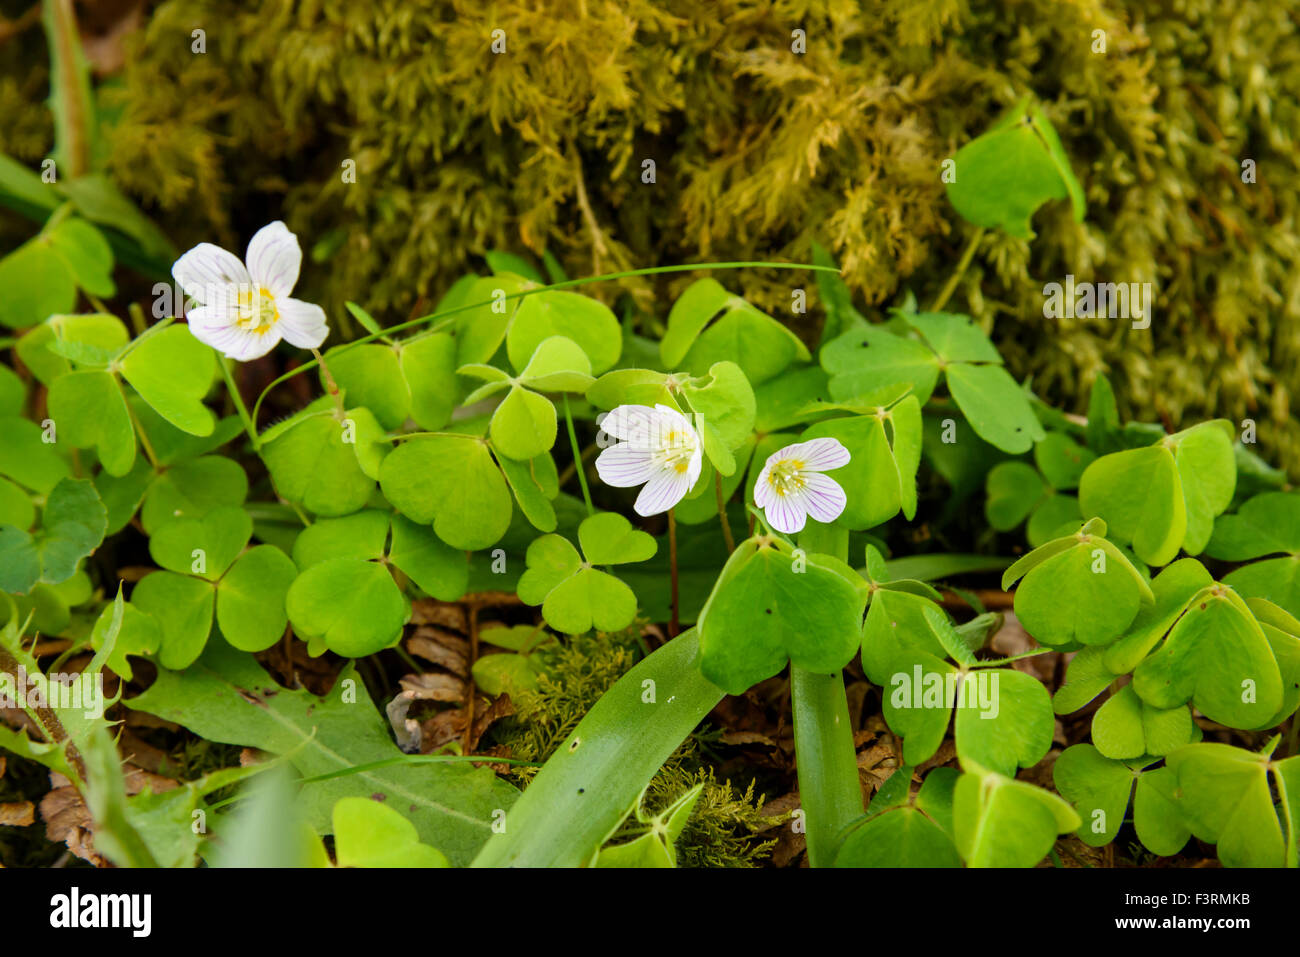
[725, 826]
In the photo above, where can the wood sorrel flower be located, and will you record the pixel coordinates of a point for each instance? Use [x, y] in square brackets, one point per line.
[244, 312]
[657, 448]
[791, 486]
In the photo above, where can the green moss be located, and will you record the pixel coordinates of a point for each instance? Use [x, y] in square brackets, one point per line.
[759, 152]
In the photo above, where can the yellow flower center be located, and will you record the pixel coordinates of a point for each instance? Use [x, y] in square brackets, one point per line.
[257, 310]
[786, 477]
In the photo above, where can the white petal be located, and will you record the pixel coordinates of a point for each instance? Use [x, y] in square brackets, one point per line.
[762, 487]
[627, 421]
[818, 455]
[822, 497]
[301, 323]
[208, 272]
[671, 420]
[236, 343]
[274, 258]
[623, 466]
[693, 472]
[664, 490]
[785, 514]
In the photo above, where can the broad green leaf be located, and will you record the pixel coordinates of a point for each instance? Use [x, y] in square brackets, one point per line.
[524, 425]
[725, 400]
[453, 483]
[182, 606]
[955, 338]
[72, 526]
[481, 330]
[1274, 579]
[1098, 787]
[439, 569]
[763, 611]
[429, 364]
[902, 837]
[740, 333]
[608, 538]
[340, 744]
[1156, 815]
[28, 454]
[558, 365]
[1003, 176]
[372, 376]
[1086, 677]
[1089, 593]
[173, 371]
[1001, 822]
[97, 329]
[1207, 470]
[1005, 720]
[1264, 525]
[586, 321]
[370, 834]
[505, 673]
[1014, 490]
[204, 546]
[89, 411]
[1173, 588]
[360, 535]
[192, 489]
[314, 466]
[535, 484]
[251, 596]
[38, 283]
[353, 606]
[895, 624]
[1061, 460]
[1223, 794]
[995, 406]
[1217, 657]
[1140, 495]
[13, 392]
[1054, 516]
[16, 507]
[867, 358]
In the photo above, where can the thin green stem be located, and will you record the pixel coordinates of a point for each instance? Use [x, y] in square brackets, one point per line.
[722, 514]
[577, 457]
[675, 621]
[830, 790]
[567, 284]
[951, 285]
[237, 399]
[331, 386]
[139, 430]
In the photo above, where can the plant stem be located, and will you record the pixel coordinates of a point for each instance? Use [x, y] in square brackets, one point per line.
[675, 620]
[722, 514]
[330, 385]
[238, 399]
[951, 285]
[577, 457]
[139, 430]
[830, 790]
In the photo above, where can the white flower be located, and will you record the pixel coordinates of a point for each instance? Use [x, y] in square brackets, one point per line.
[791, 486]
[244, 312]
[658, 448]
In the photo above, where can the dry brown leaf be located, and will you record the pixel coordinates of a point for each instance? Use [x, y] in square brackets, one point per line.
[17, 813]
[434, 687]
